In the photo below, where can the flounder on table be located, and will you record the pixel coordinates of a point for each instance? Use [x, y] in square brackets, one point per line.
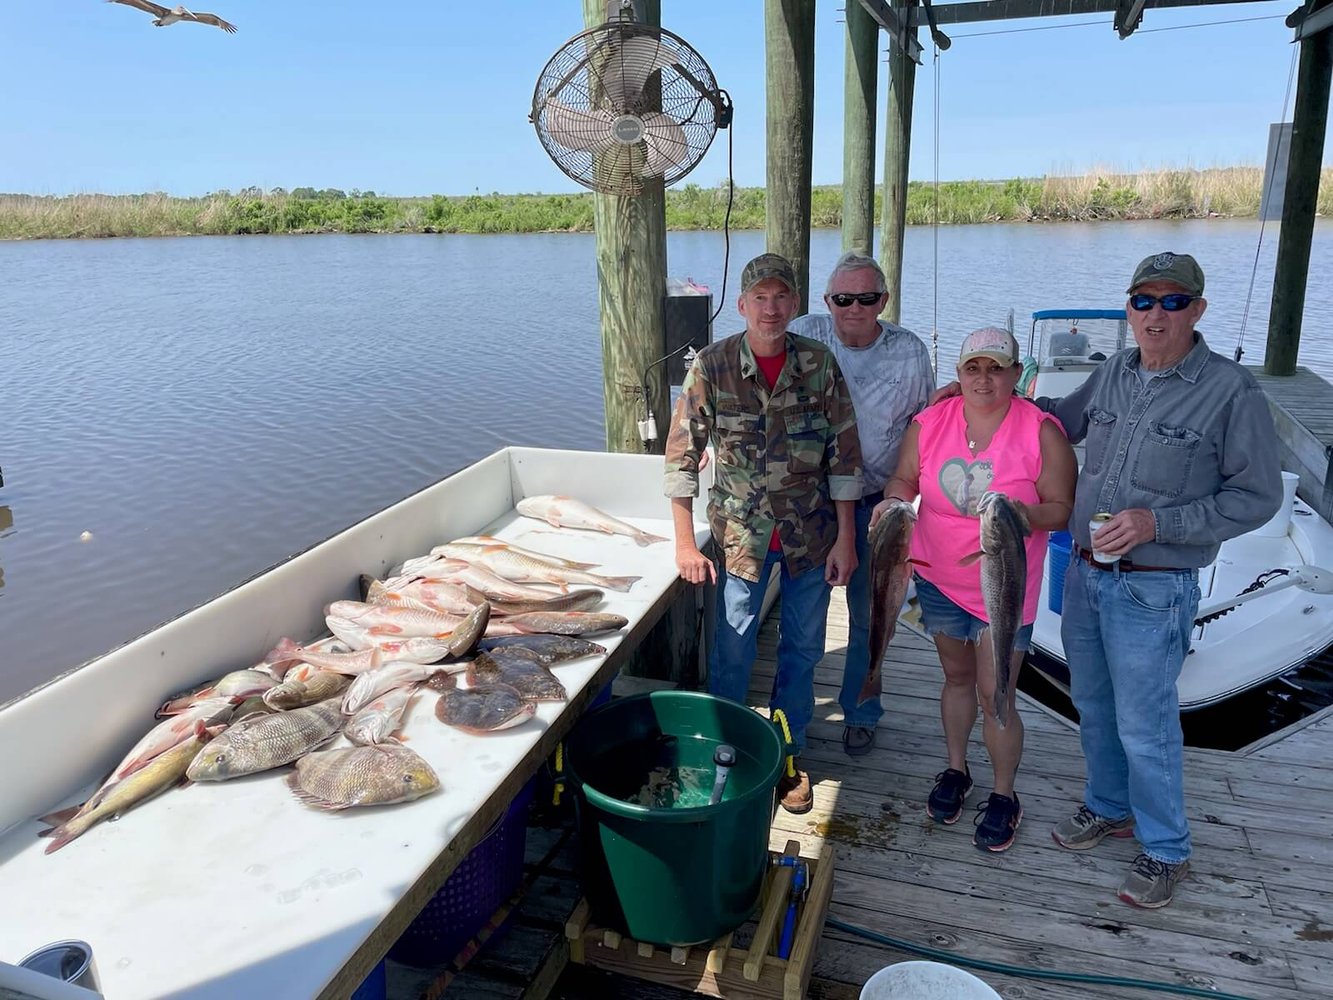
[483, 709]
[519, 669]
[362, 776]
[550, 649]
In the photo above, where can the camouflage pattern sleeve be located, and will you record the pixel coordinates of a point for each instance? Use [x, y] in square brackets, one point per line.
[687, 437]
[844, 449]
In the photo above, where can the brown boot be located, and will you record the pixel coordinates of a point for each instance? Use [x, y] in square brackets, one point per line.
[794, 793]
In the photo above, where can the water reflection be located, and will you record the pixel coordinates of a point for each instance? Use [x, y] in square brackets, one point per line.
[6, 528]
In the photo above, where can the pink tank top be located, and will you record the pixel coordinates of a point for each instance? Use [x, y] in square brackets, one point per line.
[953, 480]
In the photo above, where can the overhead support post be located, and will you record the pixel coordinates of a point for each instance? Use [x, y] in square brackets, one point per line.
[631, 285]
[1128, 14]
[789, 45]
[897, 154]
[1309, 124]
[858, 130]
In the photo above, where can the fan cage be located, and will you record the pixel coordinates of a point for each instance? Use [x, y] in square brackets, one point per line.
[583, 86]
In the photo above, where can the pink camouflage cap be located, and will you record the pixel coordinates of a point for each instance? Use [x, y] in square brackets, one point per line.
[990, 342]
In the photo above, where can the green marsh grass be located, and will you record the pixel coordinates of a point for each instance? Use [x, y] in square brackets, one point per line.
[1097, 195]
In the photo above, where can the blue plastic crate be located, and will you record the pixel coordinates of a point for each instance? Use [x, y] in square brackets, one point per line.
[483, 880]
[375, 986]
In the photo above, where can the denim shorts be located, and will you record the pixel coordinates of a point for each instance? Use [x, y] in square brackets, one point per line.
[941, 616]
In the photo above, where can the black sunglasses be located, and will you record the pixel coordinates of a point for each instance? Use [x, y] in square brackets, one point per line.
[843, 299]
[1174, 302]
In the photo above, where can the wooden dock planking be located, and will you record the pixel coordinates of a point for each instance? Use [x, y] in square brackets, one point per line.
[1247, 921]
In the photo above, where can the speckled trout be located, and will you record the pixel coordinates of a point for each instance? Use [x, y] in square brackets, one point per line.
[1004, 575]
[890, 544]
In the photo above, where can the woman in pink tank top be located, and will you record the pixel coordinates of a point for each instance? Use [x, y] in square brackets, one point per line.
[986, 439]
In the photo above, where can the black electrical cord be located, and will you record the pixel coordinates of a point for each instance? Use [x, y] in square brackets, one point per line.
[723, 122]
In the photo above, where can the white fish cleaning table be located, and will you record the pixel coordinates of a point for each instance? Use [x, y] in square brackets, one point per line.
[236, 889]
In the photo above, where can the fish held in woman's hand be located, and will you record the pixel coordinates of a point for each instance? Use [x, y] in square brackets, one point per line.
[890, 544]
[519, 669]
[566, 512]
[362, 776]
[1004, 573]
[266, 741]
[484, 709]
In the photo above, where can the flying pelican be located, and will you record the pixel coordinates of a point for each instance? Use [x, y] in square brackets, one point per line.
[165, 15]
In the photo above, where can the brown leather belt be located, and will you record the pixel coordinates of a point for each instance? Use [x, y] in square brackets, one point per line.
[1124, 565]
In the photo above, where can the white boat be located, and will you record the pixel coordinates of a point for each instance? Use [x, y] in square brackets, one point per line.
[1266, 606]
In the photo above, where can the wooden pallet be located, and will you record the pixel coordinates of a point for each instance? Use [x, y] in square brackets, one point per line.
[721, 969]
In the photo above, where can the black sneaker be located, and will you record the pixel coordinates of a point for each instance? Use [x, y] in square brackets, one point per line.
[997, 822]
[946, 798]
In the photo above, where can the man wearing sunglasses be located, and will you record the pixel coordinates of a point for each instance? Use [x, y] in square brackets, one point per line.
[1181, 451]
[888, 372]
[786, 475]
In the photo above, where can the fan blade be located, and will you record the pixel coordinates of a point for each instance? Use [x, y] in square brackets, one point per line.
[619, 171]
[575, 128]
[667, 146]
[628, 67]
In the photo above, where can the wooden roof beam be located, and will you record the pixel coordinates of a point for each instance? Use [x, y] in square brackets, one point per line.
[1312, 24]
[1005, 10]
[898, 24]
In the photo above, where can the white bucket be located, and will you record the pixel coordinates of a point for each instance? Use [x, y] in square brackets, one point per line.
[1277, 527]
[925, 981]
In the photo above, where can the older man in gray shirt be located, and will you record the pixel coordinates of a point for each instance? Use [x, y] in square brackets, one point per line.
[1181, 452]
[888, 372]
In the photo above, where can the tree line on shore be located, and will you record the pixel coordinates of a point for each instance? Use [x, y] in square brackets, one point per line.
[1163, 194]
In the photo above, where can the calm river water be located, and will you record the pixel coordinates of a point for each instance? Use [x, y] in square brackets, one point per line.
[207, 407]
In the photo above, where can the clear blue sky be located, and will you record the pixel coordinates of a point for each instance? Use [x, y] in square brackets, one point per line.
[417, 97]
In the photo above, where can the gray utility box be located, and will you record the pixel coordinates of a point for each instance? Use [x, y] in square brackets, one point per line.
[686, 319]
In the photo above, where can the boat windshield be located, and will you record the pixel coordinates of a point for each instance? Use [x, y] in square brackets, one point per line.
[1065, 337]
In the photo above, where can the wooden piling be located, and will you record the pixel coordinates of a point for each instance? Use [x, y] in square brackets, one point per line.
[631, 283]
[897, 151]
[1309, 123]
[858, 130]
[789, 37]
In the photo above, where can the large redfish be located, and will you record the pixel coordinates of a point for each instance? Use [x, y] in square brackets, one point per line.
[1004, 576]
[890, 570]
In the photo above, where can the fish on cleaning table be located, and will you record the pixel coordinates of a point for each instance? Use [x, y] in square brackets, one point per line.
[305, 685]
[575, 600]
[485, 709]
[559, 623]
[288, 653]
[550, 649]
[419, 649]
[521, 670]
[890, 545]
[1004, 573]
[373, 683]
[391, 621]
[380, 719]
[237, 684]
[566, 512]
[262, 742]
[520, 567]
[173, 730]
[117, 797]
[490, 542]
[362, 776]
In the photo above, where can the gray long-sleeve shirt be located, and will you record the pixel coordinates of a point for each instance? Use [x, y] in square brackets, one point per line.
[1196, 446]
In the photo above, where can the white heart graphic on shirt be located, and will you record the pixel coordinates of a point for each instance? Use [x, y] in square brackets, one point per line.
[965, 482]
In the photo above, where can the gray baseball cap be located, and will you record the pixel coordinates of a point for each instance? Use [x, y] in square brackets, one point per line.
[1178, 268]
[768, 265]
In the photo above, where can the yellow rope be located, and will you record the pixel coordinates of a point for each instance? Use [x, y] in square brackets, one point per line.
[780, 717]
[559, 784]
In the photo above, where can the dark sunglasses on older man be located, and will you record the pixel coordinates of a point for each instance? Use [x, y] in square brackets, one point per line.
[843, 299]
[1174, 302]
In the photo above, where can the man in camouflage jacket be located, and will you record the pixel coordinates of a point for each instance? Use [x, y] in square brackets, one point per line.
[786, 479]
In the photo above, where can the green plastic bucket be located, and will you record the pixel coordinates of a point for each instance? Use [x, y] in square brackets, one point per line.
[672, 874]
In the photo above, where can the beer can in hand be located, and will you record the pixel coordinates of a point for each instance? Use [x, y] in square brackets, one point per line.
[1097, 521]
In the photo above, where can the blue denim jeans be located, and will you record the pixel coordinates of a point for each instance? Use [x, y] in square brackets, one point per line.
[1125, 637]
[857, 660]
[800, 641]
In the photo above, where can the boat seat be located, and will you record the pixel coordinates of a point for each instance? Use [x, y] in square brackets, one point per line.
[1065, 345]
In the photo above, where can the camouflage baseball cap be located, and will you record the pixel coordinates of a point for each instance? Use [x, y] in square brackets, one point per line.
[1178, 268]
[768, 265]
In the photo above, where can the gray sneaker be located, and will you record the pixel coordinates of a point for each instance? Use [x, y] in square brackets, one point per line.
[1085, 829]
[1151, 883]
